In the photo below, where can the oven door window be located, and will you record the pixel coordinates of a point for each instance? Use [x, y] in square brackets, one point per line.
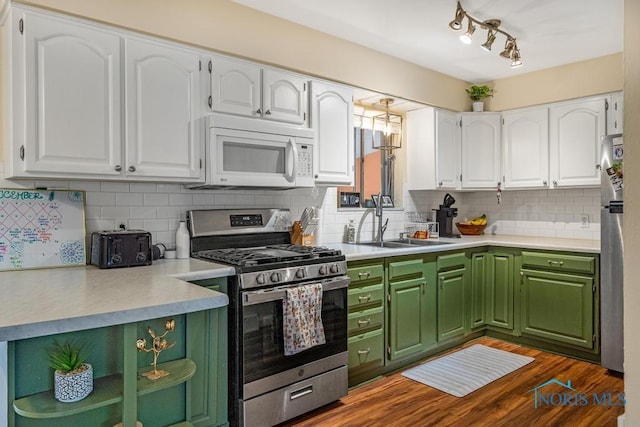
[263, 342]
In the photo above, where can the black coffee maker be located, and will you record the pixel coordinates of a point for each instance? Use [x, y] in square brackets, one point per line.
[445, 215]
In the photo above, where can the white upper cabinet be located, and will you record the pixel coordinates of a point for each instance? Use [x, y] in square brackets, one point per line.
[575, 130]
[236, 87]
[284, 97]
[614, 113]
[332, 120]
[421, 149]
[71, 76]
[525, 136]
[480, 147]
[66, 77]
[433, 149]
[246, 89]
[447, 150]
[164, 101]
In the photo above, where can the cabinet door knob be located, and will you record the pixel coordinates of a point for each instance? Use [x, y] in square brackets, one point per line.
[522, 274]
[118, 168]
[555, 182]
[440, 184]
[259, 111]
[544, 183]
[268, 112]
[597, 167]
[131, 169]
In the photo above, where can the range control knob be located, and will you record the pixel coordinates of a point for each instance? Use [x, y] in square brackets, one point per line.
[322, 270]
[275, 277]
[334, 269]
[260, 279]
[301, 273]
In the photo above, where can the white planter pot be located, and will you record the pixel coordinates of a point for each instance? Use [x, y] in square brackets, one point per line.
[73, 386]
[478, 106]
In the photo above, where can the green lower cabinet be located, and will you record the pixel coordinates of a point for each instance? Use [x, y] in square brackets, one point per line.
[407, 311]
[452, 305]
[120, 394]
[479, 264]
[558, 307]
[499, 289]
[411, 307]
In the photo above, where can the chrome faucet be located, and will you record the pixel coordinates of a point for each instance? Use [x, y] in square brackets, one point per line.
[381, 228]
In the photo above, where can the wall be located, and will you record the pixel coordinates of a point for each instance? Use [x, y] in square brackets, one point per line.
[591, 77]
[631, 211]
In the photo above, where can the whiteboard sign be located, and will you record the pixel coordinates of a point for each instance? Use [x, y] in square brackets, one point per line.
[41, 228]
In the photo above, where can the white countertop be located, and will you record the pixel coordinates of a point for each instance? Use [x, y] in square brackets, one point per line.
[51, 301]
[356, 252]
[56, 300]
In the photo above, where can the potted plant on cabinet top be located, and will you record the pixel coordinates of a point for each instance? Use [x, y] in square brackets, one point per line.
[477, 94]
[73, 378]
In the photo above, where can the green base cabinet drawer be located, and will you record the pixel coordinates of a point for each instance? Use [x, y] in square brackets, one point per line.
[559, 262]
[366, 275]
[452, 261]
[405, 269]
[360, 322]
[368, 297]
[366, 351]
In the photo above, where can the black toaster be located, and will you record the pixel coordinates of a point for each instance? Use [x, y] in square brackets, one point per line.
[120, 248]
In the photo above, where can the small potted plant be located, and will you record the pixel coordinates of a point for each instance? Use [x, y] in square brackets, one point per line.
[477, 94]
[73, 378]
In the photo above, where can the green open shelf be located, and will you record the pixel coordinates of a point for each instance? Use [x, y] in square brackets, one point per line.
[106, 391]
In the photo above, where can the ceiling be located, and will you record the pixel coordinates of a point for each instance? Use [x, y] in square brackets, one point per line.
[548, 32]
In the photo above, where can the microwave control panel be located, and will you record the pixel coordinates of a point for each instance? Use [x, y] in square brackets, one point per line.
[305, 160]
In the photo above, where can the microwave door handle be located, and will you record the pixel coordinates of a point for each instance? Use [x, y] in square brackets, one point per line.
[294, 167]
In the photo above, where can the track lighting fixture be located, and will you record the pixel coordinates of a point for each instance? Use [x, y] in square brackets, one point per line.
[466, 37]
[491, 37]
[492, 26]
[456, 24]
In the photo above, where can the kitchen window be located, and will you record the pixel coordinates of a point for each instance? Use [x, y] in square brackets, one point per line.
[374, 169]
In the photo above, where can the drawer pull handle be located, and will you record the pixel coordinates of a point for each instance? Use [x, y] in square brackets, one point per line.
[365, 274]
[557, 263]
[364, 322]
[365, 298]
[363, 352]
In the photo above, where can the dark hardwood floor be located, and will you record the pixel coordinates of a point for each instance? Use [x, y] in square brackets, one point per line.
[509, 401]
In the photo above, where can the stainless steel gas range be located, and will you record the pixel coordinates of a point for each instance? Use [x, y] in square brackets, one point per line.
[267, 387]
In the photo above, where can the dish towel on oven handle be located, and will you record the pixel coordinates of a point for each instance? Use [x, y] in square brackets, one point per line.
[302, 310]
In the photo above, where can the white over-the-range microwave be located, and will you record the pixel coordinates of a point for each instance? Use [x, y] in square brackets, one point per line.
[244, 152]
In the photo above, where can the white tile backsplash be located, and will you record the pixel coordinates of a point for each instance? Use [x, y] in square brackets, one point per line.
[157, 208]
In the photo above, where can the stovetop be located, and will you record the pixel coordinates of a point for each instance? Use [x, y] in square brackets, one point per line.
[271, 256]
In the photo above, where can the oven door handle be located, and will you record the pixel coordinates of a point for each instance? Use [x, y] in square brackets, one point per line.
[262, 296]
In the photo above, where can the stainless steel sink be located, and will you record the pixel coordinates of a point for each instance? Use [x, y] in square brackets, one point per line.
[389, 244]
[421, 242]
[404, 243]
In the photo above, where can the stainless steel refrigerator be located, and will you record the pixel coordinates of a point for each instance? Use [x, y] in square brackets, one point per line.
[611, 253]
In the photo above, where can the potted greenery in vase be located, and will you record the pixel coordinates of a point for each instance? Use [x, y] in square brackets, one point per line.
[477, 94]
[73, 378]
